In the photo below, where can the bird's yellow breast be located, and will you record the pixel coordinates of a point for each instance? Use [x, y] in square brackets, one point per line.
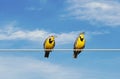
[49, 45]
[79, 44]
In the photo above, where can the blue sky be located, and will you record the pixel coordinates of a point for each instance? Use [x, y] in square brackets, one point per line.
[26, 24]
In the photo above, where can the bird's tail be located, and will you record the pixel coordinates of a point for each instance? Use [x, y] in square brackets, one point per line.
[75, 54]
[46, 54]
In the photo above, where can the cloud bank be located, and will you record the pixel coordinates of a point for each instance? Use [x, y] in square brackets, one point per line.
[29, 68]
[38, 35]
[95, 11]
[16, 67]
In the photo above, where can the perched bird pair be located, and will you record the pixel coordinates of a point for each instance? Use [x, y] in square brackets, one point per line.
[79, 44]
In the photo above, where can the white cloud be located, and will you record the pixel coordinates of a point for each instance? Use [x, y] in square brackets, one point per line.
[103, 11]
[15, 67]
[30, 68]
[64, 38]
[98, 33]
[38, 35]
[10, 32]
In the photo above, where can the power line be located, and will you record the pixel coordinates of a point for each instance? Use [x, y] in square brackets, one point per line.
[58, 50]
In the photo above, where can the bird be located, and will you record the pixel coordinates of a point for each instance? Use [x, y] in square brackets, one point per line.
[49, 44]
[79, 44]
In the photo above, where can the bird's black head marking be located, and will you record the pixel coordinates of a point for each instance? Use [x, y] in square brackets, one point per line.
[50, 41]
[81, 38]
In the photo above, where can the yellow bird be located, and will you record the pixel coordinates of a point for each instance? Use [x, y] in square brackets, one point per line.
[79, 44]
[49, 44]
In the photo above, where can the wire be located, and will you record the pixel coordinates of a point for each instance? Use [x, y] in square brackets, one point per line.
[39, 50]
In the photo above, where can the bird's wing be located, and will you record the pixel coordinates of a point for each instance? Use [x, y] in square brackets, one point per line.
[45, 42]
[54, 44]
[75, 42]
